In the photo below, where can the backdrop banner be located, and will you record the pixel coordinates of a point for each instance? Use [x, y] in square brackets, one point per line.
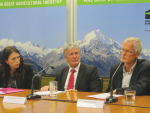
[103, 25]
[38, 30]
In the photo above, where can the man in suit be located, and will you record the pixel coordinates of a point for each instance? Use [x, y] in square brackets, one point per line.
[85, 78]
[133, 73]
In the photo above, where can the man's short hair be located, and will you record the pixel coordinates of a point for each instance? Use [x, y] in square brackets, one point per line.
[70, 46]
[137, 43]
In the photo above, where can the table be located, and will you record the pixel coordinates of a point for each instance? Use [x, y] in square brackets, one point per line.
[46, 106]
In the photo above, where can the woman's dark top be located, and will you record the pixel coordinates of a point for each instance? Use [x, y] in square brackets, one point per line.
[22, 83]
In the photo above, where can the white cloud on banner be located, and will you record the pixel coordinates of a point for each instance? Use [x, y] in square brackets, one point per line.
[29, 47]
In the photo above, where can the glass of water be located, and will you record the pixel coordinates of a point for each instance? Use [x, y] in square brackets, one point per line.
[130, 96]
[53, 89]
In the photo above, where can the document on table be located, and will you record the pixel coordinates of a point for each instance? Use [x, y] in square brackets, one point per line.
[45, 93]
[103, 95]
[9, 90]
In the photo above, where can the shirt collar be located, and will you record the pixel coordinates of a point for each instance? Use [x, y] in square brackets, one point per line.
[131, 69]
[76, 68]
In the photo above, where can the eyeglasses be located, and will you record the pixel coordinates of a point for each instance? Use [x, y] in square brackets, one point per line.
[126, 51]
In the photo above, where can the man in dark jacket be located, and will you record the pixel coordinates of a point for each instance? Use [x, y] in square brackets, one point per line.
[133, 73]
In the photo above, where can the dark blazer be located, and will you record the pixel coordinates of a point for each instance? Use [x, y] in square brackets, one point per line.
[140, 79]
[23, 83]
[87, 79]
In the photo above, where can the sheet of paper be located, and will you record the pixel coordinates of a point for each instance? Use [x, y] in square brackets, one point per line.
[45, 93]
[103, 95]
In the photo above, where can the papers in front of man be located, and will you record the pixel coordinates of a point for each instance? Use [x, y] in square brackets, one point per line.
[46, 93]
[103, 95]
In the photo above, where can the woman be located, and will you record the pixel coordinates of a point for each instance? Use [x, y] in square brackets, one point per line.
[14, 72]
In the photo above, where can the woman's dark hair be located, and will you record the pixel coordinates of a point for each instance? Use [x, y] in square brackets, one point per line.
[5, 67]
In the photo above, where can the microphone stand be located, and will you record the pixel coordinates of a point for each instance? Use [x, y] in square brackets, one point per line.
[34, 96]
[112, 98]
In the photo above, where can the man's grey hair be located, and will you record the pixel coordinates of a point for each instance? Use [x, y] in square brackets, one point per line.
[70, 46]
[137, 43]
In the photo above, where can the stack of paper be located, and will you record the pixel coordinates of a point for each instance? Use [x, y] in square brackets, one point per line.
[9, 90]
[103, 95]
[45, 93]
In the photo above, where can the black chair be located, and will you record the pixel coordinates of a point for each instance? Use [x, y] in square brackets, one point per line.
[38, 79]
[101, 84]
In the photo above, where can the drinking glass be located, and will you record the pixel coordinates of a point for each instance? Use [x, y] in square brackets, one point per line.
[130, 96]
[53, 89]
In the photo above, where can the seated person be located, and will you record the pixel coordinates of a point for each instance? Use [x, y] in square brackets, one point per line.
[14, 72]
[85, 77]
[133, 73]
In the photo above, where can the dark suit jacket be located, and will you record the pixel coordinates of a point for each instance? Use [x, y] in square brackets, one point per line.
[140, 79]
[87, 79]
[23, 83]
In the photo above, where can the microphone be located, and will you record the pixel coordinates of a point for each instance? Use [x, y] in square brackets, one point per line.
[33, 96]
[112, 98]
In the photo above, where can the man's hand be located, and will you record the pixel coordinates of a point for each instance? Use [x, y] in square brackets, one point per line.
[114, 91]
[45, 88]
[71, 90]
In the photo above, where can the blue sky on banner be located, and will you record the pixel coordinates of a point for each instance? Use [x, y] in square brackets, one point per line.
[43, 26]
[116, 21]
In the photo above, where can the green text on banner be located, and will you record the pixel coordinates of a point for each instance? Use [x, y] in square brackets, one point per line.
[96, 2]
[30, 3]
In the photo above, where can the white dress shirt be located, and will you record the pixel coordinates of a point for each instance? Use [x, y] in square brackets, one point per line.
[127, 76]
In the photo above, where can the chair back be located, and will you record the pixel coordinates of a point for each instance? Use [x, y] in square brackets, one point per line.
[101, 84]
[38, 80]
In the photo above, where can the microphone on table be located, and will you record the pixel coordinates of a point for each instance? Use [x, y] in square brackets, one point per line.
[33, 96]
[112, 98]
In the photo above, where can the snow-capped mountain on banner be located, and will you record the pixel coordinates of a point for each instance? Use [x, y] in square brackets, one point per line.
[114, 45]
[96, 50]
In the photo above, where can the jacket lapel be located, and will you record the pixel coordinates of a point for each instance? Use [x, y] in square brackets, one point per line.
[64, 77]
[134, 74]
[79, 76]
